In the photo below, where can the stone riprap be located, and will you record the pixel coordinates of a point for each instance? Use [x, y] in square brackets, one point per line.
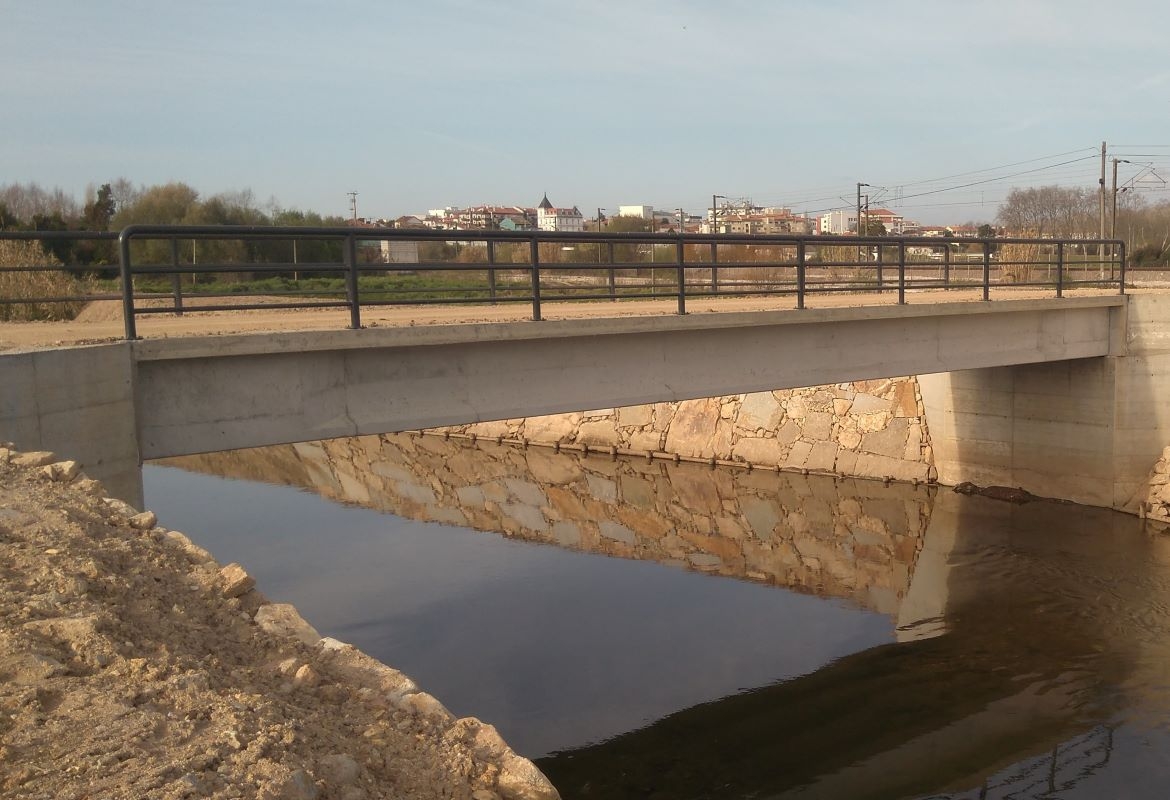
[851, 539]
[1157, 505]
[865, 429]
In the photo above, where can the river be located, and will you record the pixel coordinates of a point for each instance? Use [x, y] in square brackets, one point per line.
[646, 629]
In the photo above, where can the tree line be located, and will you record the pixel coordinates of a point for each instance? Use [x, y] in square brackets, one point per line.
[115, 205]
[1074, 213]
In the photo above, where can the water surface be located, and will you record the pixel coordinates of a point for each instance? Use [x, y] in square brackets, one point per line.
[652, 630]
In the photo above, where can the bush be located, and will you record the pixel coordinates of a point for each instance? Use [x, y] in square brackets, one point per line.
[35, 287]
[1150, 255]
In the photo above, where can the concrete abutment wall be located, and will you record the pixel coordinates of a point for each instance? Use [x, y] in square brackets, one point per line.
[1087, 430]
[77, 402]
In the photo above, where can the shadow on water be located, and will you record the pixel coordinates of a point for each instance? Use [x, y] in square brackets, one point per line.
[1026, 635]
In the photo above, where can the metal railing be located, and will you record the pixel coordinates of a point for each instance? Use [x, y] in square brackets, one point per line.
[165, 269]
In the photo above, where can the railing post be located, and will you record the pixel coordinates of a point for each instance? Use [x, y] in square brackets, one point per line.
[880, 264]
[1060, 269]
[491, 260]
[612, 272]
[679, 255]
[351, 282]
[800, 276]
[176, 282]
[901, 273]
[127, 285]
[534, 256]
[1122, 268]
[986, 270]
[947, 266]
[714, 268]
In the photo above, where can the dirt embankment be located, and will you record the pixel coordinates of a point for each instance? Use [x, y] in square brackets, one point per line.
[132, 666]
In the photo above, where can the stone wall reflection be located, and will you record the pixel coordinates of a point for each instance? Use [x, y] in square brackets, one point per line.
[844, 538]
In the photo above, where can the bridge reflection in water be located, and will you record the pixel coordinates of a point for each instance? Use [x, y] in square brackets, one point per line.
[1027, 634]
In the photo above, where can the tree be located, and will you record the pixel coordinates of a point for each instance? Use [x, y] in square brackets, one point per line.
[1056, 211]
[8, 220]
[986, 231]
[100, 210]
[875, 227]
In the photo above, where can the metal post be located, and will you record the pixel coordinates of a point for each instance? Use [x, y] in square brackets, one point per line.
[1060, 269]
[491, 260]
[612, 272]
[351, 283]
[714, 268]
[127, 283]
[679, 255]
[880, 265]
[800, 276]
[534, 256]
[947, 266]
[987, 270]
[176, 281]
[1121, 247]
[901, 272]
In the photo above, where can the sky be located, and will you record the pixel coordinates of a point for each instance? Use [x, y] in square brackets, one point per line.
[941, 107]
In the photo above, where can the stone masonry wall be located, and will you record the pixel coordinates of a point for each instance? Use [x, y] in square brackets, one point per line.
[866, 429]
[856, 540]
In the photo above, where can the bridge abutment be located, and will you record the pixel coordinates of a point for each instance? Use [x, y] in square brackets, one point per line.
[79, 403]
[1087, 430]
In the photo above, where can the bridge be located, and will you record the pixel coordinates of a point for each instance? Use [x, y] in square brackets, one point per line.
[1055, 394]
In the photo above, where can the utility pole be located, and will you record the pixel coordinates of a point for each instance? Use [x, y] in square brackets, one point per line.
[1113, 229]
[858, 223]
[859, 207]
[599, 210]
[681, 221]
[1102, 184]
[353, 203]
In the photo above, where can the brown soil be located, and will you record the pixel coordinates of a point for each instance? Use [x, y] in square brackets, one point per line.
[133, 666]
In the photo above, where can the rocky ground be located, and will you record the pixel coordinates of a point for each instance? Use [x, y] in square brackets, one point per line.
[132, 665]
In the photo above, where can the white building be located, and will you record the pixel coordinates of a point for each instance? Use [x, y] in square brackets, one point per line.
[551, 218]
[641, 212]
[837, 223]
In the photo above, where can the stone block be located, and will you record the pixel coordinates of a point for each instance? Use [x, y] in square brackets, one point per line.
[890, 442]
[759, 410]
[798, 454]
[551, 428]
[282, 619]
[635, 416]
[869, 404]
[764, 452]
[598, 433]
[602, 489]
[616, 531]
[818, 426]
[822, 457]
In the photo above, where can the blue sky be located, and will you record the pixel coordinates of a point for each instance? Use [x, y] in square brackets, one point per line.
[450, 102]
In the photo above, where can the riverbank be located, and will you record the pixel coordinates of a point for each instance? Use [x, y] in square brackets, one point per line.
[132, 664]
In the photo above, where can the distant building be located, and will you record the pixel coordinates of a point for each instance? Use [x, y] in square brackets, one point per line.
[399, 251]
[551, 218]
[837, 223]
[641, 212]
[894, 223]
